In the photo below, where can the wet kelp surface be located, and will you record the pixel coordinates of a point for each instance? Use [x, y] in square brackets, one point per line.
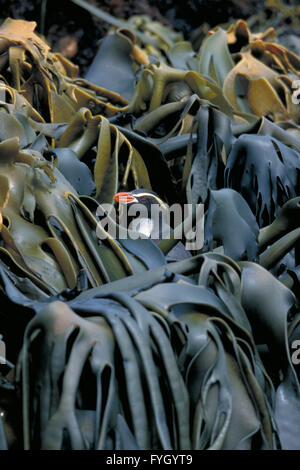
[111, 344]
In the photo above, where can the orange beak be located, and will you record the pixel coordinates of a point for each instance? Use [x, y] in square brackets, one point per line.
[123, 198]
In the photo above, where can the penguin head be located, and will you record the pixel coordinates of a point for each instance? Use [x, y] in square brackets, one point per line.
[147, 199]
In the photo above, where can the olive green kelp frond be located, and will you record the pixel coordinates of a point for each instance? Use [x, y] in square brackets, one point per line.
[158, 79]
[256, 76]
[265, 171]
[47, 233]
[48, 80]
[122, 355]
[199, 352]
[123, 347]
[279, 315]
[115, 160]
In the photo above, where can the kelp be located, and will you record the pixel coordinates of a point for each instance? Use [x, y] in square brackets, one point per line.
[265, 188]
[271, 314]
[231, 223]
[144, 322]
[116, 345]
[47, 233]
[130, 329]
[48, 80]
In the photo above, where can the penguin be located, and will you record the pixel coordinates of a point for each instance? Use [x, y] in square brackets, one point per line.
[149, 218]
